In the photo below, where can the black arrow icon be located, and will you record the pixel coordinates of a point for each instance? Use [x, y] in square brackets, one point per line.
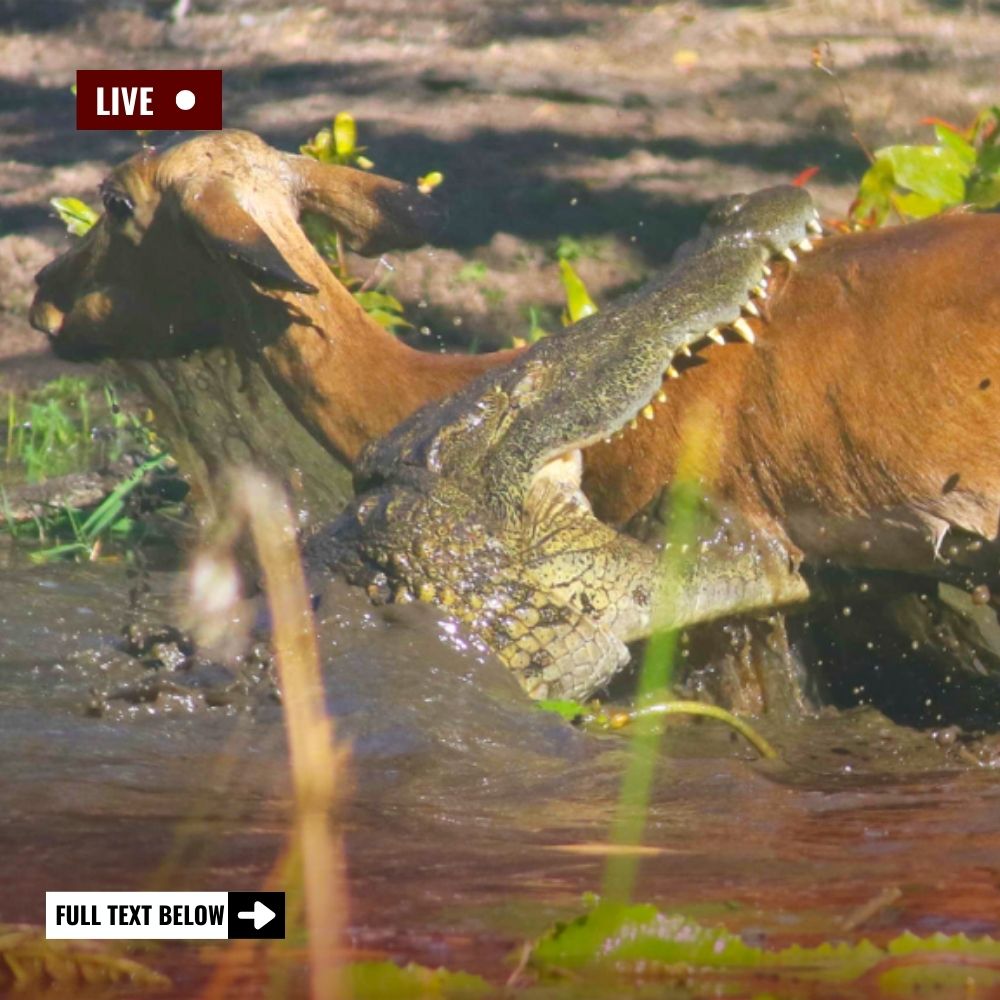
[256, 915]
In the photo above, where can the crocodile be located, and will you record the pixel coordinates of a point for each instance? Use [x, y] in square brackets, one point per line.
[474, 504]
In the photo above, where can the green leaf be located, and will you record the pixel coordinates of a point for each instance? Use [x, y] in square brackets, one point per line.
[872, 204]
[123, 526]
[474, 271]
[989, 160]
[110, 508]
[375, 299]
[627, 942]
[568, 710]
[384, 308]
[77, 216]
[390, 321]
[69, 549]
[917, 206]
[984, 192]
[345, 135]
[321, 233]
[579, 304]
[318, 146]
[377, 980]
[984, 185]
[936, 172]
[535, 329]
[613, 934]
[31, 965]
[430, 181]
[568, 248]
[958, 144]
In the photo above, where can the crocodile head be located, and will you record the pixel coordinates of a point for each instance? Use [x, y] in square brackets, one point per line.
[475, 503]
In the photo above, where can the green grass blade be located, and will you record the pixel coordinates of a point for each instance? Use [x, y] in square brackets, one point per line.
[110, 508]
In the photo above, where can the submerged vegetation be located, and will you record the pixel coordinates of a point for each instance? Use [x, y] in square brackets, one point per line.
[617, 944]
[30, 964]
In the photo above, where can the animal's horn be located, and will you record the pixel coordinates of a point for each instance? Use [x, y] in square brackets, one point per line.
[375, 214]
[226, 229]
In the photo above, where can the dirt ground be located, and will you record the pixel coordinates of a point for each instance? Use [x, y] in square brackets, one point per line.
[610, 123]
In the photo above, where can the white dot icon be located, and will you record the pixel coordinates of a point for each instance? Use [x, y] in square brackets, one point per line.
[184, 100]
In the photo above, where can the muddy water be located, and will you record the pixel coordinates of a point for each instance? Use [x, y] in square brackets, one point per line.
[472, 816]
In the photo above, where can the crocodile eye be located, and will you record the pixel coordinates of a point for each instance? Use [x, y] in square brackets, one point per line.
[117, 204]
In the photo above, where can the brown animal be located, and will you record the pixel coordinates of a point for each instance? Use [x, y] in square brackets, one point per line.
[200, 244]
[862, 428]
[200, 283]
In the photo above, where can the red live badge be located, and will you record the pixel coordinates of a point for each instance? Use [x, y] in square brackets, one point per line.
[126, 99]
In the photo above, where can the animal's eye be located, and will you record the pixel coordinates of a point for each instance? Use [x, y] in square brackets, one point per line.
[116, 203]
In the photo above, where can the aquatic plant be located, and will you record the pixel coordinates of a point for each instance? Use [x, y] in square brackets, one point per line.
[109, 518]
[29, 964]
[373, 980]
[618, 944]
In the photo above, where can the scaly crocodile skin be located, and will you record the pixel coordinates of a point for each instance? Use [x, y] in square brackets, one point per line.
[474, 503]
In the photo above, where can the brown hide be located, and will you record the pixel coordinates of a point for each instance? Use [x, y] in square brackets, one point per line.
[866, 421]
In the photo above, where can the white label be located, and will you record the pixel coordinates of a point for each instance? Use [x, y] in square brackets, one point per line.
[167, 916]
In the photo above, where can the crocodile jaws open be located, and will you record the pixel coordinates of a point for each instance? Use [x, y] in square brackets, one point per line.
[474, 503]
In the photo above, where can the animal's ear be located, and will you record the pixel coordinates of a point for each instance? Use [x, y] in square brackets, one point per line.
[226, 229]
[374, 213]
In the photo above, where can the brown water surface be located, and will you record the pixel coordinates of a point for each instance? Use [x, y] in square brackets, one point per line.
[473, 817]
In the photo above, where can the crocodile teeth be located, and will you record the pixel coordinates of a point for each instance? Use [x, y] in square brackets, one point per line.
[634, 423]
[760, 290]
[751, 308]
[742, 327]
[766, 270]
[607, 440]
[814, 226]
[661, 396]
[648, 412]
[672, 372]
[715, 336]
[685, 350]
[789, 254]
[805, 244]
